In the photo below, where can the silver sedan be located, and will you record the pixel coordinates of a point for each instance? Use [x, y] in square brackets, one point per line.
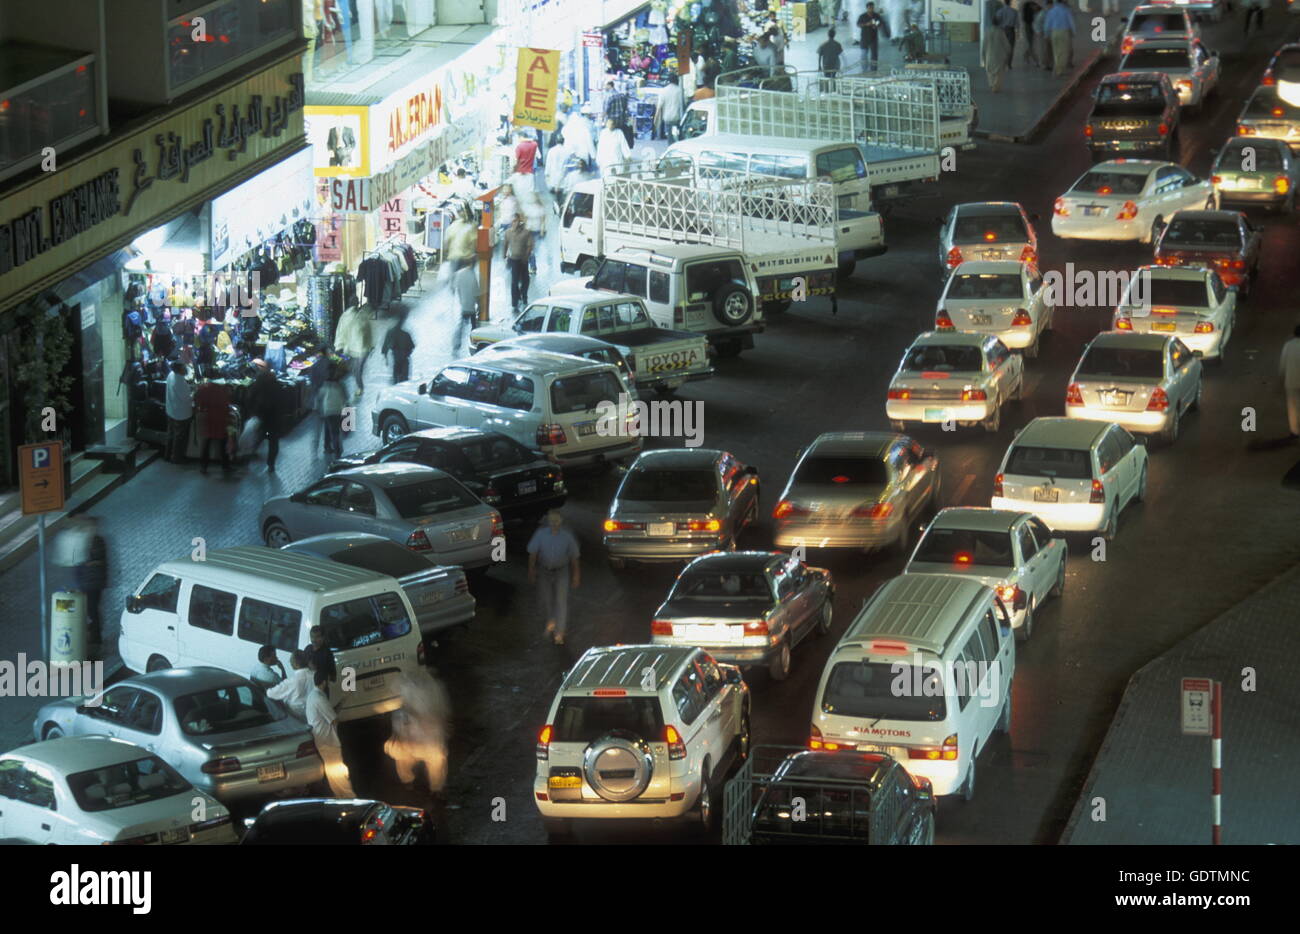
[674, 505]
[987, 230]
[426, 509]
[217, 729]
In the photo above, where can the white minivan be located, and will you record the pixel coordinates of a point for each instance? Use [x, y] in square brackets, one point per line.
[220, 610]
[924, 674]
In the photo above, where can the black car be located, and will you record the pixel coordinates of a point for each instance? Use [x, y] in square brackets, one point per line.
[520, 483]
[338, 822]
[1133, 114]
[843, 797]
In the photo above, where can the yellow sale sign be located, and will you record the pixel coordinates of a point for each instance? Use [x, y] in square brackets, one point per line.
[537, 80]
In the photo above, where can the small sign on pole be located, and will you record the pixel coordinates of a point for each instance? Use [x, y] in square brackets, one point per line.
[1197, 694]
[40, 482]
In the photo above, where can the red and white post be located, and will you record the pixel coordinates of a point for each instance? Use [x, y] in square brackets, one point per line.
[1216, 762]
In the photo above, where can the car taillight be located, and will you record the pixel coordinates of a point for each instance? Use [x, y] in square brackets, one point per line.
[1087, 130]
[1027, 254]
[787, 508]
[874, 511]
[418, 541]
[815, 739]
[943, 321]
[1185, 84]
[1059, 208]
[756, 627]
[544, 742]
[947, 752]
[551, 434]
[1073, 394]
[700, 525]
[1098, 494]
[1164, 260]
[1022, 319]
[462, 584]
[661, 627]
[1243, 130]
[498, 525]
[1268, 80]
[900, 394]
[1127, 45]
[676, 746]
[1127, 212]
[1163, 129]
[1281, 184]
[1011, 595]
[1203, 327]
[491, 496]
[1216, 179]
[1123, 324]
[974, 395]
[997, 485]
[618, 525]
[954, 258]
[1158, 401]
[305, 750]
[220, 766]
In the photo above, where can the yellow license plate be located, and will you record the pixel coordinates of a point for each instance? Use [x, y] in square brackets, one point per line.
[565, 781]
[1163, 326]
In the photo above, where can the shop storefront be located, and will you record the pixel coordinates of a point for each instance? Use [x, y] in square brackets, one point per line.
[70, 240]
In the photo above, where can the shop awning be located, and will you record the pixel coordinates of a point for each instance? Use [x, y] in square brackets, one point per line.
[110, 265]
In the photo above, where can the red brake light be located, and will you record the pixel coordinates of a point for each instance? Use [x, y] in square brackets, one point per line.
[617, 525]
[1278, 112]
[1059, 208]
[1012, 596]
[874, 511]
[418, 541]
[609, 692]
[879, 647]
[756, 627]
[1105, 190]
[676, 748]
[1203, 327]
[220, 766]
[947, 752]
[701, 525]
[1163, 129]
[661, 627]
[1269, 80]
[1158, 402]
[1216, 179]
[1122, 324]
[787, 508]
[1022, 319]
[997, 485]
[943, 321]
[974, 395]
[1243, 130]
[544, 742]
[900, 394]
[990, 236]
[954, 258]
[1027, 254]
[498, 525]
[1087, 130]
[551, 434]
[1098, 494]
[1128, 211]
[1073, 395]
[963, 557]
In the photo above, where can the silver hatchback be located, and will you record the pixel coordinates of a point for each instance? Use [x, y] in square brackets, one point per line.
[217, 729]
[676, 504]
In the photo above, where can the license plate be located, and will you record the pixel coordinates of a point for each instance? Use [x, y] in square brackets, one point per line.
[586, 429]
[430, 597]
[1163, 326]
[270, 773]
[1126, 146]
[715, 635]
[891, 191]
[936, 415]
[1091, 211]
[180, 835]
[565, 781]
[528, 486]
[462, 535]
[1114, 398]
[1047, 495]
[373, 684]
[981, 319]
[661, 528]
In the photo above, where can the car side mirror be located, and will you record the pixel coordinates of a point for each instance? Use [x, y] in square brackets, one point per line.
[423, 389]
[732, 676]
[133, 604]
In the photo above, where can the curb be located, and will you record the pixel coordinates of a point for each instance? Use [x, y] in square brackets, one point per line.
[1069, 88]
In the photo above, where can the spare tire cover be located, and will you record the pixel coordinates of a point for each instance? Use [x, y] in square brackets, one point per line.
[618, 765]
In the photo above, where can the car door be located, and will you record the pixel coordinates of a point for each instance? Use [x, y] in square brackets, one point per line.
[578, 227]
[1032, 560]
[316, 510]
[447, 392]
[533, 320]
[912, 477]
[1051, 550]
[27, 804]
[1209, 64]
[561, 320]
[976, 659]
[1165, 195]
[152, 615]
[720, 712]
[1223, 303]
[1004, 366]
[1038, 304]
[107, 714]
[512, 414]
[1130, 457]
[1191, 191]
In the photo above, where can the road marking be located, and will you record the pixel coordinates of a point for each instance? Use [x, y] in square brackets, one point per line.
[963, 488]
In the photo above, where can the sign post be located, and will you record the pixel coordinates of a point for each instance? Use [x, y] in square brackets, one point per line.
[40, 480]
[1202, 715]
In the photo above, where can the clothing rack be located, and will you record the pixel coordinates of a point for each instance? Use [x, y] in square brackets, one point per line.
[388, 271]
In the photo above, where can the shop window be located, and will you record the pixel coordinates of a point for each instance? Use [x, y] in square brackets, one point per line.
[233, 29]
[268, 624]
[161, 593]
[213, 610]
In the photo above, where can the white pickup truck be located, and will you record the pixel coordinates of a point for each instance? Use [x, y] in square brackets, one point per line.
[661, 359]
[790, 231]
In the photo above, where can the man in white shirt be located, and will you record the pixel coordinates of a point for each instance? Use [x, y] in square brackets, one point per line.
[268, 672]
[669, 108]
[1289, 372]
[323, 721]
[293, 690]
[467, 292]
[612, 150]
[180, 410]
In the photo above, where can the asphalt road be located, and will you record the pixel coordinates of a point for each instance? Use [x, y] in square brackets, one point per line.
[1216, 524]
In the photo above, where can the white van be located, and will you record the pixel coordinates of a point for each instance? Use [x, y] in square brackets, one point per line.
[219, 611]
[924, 674]
[840, 163]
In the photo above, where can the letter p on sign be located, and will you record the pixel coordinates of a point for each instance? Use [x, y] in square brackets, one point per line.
[41, 477]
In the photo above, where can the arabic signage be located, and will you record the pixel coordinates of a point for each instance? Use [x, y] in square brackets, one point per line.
[340, 140]
[406, 119]
[64, 220]
[537, 81]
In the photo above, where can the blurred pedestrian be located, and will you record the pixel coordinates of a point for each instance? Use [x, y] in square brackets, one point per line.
[765, 54]
[526, 156]
[1042, 39]
[180, 412]
[401, 345]
[269, 671]
[1009, 20]
[994, 48]
[460, 244]
[669, 107]
[730, 55]
[1254, 10]
[1060, 31]
[828, 55]
[320, 655]
[467, 292]
[293, 690]
[518, 244]
[323, 720]
[553, 562]
[332, 401]
[264, 404]
[419, 729]
[352, 337]
[81, 554]
[212, 422]
[1029, 11]
[1289, 372]
[616, 109]
[612, 151]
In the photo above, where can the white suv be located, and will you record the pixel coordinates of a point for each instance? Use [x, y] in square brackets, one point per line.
[640, 731]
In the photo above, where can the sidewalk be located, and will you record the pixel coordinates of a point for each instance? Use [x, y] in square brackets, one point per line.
[1156, 782]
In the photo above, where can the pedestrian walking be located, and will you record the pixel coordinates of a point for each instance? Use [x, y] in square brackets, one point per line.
[994, 49]
[1289, 372]
[399, 343]
[553, 563]
[264, 404]
[461, 242]
[269, 671]
[870, 25]
[323, 720]
[293, 690]
[467, 293]
[765, 54]
[180, 411]
[1254, 11]
[669, 109]
[1029, 11]
[332, 400]
[526, 157]
[1042, 41]
[420, 729]
[612, 150]
[212, 422]
[616, 109]
[1009, 20]
[518, 245]
[352, 338]
[1060, 31]
[828, 55]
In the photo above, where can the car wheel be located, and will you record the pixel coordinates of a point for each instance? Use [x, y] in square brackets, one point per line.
[1059, 587]
[1170, 433]
[1112, 525]
[924, 833]
[743, 739]
[51, 731]
[558, 830]
[967, 790]
[617, 564]
[703, 810]
[1141, 493]
[994, 421]
[1004, 718]
[588, 267]
[157, 663]
[1027, 627]
[824, 618]
[275, 534]
[392, 427]
[733, 306]
[779, 667]
[897, 426]
[845, 269]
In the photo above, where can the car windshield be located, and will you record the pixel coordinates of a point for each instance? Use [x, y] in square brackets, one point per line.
[869, 690]
[1144, 57]
[986, 285]
[488, 454]
[1111, 183]
[1252, 156]
[669, 486]
[950, 358]
[1202, 233]
[965, 546]
[1058, 463]
[584, 392]
[1143, 99]
[717, 585]
[224, 710]
[842, 470]
[1122, 363]
[1154, 24]
[384, 557]
[586, 719]
[364, 621]
[1270, 105]
[429, 498]
[988, 228]
[1175, 292]
[125, 784]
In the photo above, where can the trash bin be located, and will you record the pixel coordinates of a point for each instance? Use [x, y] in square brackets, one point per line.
[67, 627]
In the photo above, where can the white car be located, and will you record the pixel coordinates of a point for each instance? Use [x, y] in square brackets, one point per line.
[1207, 9]
[1191, 67]
[91, 790]
[640, 731]
[1128, 199]
[1188, 302]
[1012, 552]
[1075, 475]
[954, 376]
[1003, 298]
[1145, 382]
[1150, 22]
[988, 230]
